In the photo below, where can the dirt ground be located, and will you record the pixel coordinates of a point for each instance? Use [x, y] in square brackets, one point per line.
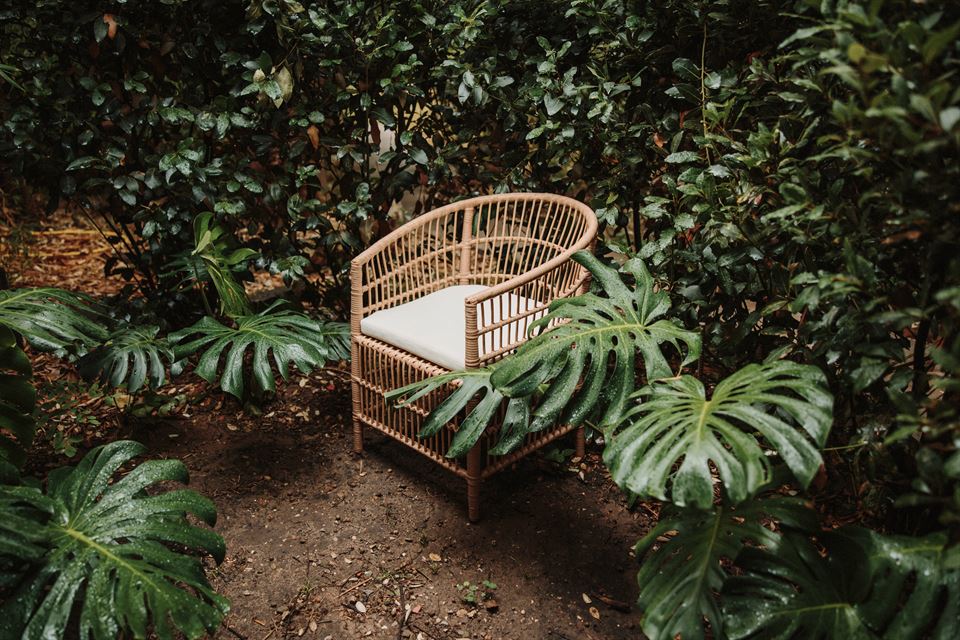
[328, 545]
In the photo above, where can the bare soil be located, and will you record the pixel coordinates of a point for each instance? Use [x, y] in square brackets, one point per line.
[329, 545]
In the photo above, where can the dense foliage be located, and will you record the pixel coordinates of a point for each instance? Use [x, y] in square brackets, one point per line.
[787, 171]
[722, 461]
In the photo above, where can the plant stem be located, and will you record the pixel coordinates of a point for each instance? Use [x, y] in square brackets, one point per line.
[703, 89]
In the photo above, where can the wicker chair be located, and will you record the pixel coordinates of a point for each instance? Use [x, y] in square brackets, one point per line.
[457, 288]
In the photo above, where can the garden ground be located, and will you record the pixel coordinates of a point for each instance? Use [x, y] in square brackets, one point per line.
[325, 544]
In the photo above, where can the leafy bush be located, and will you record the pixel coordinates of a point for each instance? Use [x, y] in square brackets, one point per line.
[760, 429]
[789, 168]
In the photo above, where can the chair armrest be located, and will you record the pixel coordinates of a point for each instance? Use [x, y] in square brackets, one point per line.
[497, 320]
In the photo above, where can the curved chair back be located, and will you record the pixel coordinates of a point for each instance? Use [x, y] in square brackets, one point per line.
[490, 240]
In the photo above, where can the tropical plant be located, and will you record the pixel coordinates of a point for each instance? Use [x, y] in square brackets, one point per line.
[53, 319]
[866, 585]
[682, 560]
[102, 555]
[281, 335]
[673, 440]
[609, 325]
[17, 400]
[674, 443]
[131, 357]
[215, 248]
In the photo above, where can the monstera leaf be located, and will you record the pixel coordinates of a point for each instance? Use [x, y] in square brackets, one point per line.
[471, 385]
[17, 401]
[132, 356]
[53, 319]
[101, 556]
[866, 586]
[584, 365]
[679, 578]
[675, 433]
[287, 336]
[596, 341]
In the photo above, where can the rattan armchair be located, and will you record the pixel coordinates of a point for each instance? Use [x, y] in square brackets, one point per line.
[494, 264]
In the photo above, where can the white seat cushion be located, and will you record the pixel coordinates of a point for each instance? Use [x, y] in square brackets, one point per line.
[433, 327]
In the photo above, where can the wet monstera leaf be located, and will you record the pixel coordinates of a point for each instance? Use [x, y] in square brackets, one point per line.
[682, 570]
[53, 319]
[583, 365]
[466, 387]
[275, 334]
[131, 357]
[676, 434]
[99, 554]
[861, 584]
[595, 338]
[17, 401]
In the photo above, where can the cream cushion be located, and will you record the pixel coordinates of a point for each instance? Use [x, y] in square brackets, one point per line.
[433, 327]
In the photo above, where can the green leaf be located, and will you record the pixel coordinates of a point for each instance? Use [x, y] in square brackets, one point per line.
[680, 577]
[17, 402]
[552, 104]
[53, 319]
[133, 356]
[418, 155]
[949, 118]
[940, 40]
[468, 386]
[212, 241]
[285, 336]
[866, 586]
[686, 69]
[675, 435]
[682, 156]
[83, 163]
[592, 331]
[107, 555]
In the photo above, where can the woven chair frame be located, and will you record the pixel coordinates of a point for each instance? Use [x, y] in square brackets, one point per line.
[514, 243]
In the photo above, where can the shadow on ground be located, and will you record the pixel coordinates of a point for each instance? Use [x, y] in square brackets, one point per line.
[322, 543]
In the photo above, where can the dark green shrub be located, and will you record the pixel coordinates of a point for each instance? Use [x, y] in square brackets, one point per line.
[790, 170]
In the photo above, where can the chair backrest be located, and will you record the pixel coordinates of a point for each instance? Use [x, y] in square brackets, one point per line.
[516, 233]
[487, 240]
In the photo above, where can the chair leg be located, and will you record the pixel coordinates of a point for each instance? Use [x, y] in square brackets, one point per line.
[355, 387]
[474, 480]
[357, 436]
[581, 442]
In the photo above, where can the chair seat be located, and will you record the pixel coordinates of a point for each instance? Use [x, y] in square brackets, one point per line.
[433, 327]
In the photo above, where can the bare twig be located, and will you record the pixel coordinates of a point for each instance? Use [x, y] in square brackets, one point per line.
[403, 612]
[356, 586]
[235, 633]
